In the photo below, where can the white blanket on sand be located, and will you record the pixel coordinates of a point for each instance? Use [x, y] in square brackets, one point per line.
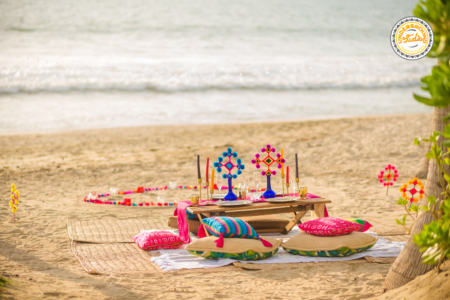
[171, 260]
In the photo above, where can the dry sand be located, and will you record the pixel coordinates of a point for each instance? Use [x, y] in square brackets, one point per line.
[339, 160]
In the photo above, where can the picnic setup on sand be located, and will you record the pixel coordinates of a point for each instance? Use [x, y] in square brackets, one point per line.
[214, 230]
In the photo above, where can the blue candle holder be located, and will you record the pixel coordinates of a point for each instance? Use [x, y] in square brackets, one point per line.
[269, 193]
[228, 165]
[268, 161]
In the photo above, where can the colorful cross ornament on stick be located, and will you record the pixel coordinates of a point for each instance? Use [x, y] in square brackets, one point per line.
[417, 188]
[14, 200]
[268, 161]
[228, 165]
[388, 177]
[410, 196]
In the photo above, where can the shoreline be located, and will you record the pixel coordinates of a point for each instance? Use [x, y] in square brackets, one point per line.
[62, 112]
[166, 126]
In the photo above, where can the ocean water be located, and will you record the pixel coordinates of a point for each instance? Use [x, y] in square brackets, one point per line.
[67, 64]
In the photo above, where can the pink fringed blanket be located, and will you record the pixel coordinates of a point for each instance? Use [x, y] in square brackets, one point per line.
[183, 229]
[180, 212]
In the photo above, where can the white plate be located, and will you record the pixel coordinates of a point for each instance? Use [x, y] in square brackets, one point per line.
[233, 203]
[281, 200]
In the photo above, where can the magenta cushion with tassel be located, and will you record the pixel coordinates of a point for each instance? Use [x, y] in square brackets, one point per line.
[329, 227]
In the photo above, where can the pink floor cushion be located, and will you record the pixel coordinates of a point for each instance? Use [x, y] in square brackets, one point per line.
[156, 240]
[364, 224]
[329, 227]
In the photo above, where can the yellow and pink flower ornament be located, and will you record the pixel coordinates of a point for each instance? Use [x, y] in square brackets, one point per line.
[388, 178]
[14, 200]
[410, 196]
[415, 193]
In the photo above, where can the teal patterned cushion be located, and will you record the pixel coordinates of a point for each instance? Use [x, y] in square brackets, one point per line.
[247, 255]
[242, 249]
[329, 246]
[341, 252]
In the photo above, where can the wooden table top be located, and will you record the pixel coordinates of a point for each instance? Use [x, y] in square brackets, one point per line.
[254, 206]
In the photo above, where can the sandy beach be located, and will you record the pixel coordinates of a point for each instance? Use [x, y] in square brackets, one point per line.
[339, 160]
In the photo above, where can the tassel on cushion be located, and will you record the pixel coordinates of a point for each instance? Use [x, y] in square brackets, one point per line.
[219, 241]
[265, 243]
[201, 231]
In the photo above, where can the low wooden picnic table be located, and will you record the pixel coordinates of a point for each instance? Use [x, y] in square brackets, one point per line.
[297, 208]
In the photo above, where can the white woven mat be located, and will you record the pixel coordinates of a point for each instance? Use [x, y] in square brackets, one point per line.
[170, 260]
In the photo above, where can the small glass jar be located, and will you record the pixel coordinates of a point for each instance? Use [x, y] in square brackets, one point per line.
[114, 192]
[194, 199]
[92, 196]
[303, 191]
[161, 199]
[172, 184]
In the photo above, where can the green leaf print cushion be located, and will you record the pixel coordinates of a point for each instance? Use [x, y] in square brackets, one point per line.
[241, 249]
[331, 246]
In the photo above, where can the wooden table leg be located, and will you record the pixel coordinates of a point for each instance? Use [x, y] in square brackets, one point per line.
[200, 218]
[318, 212]
[297, 217]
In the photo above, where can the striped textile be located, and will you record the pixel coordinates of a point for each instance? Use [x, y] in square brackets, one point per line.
[230, 228]
[364, 224]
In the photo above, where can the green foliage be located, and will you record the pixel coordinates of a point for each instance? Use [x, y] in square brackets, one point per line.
[402, 202]
[402, 222]
[434, 239]
[437, 14]
[4, 283]
[409, 208]
[414, 208]
[438, 85]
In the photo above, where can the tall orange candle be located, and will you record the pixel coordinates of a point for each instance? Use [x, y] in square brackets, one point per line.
[287, 174]
[282, 165]
[212, 181]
